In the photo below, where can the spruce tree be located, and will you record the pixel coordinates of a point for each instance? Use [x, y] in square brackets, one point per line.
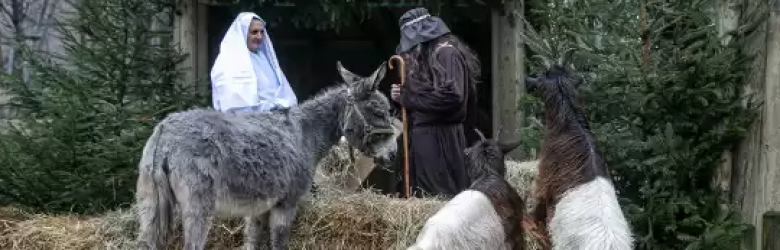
[663, 118]
[84, 116]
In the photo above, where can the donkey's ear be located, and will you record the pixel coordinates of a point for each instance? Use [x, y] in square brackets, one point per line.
[377, 76]
[508, 147]
[346, 75]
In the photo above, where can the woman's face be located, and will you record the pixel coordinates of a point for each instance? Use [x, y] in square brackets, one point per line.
[255, 35]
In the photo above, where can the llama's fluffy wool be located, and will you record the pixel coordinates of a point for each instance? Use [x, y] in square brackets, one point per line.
[589, 217]
[467, 222]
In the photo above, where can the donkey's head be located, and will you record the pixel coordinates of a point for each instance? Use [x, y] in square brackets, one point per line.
[557, 85]
[487, 156]
[366, 122]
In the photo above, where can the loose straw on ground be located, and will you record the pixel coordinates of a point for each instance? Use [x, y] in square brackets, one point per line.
[331, 220]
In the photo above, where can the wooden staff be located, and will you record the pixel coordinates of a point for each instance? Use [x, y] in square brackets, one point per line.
[402, 70]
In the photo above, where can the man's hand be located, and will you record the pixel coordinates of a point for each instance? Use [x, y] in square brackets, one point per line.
[395, 92]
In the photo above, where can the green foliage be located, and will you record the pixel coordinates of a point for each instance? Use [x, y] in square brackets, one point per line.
[662, 123]
[81, 121]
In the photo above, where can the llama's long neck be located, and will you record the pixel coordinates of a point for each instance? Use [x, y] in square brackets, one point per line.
[570, 152]
[319, 119]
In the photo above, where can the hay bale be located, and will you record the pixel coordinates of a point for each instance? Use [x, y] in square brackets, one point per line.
[522, 175]
[331, 220]
[336, 167]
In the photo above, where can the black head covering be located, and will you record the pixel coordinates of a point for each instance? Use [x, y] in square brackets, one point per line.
[417, 26]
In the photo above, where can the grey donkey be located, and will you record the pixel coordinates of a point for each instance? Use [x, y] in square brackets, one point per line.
[253, 165]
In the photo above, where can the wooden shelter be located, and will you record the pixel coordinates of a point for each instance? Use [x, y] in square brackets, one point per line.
[309, 56]
[751, 172]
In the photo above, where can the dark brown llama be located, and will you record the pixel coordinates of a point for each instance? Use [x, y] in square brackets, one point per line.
[577, 203]
[487, 215]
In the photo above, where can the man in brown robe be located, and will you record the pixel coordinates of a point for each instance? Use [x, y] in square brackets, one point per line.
[438, 95]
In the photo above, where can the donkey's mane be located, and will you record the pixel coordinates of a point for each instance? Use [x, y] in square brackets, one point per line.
[569, 145]
[323, 96]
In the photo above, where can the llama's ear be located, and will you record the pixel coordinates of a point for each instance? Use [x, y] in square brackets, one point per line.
[531, 84]
[508, 147]
[377, 76]
[348, 76]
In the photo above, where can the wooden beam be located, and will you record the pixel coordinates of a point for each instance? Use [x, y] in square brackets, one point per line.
[202, 50]
[494, 70]
[508, 73]
[770, 173]
[756, 184]
[185, 37]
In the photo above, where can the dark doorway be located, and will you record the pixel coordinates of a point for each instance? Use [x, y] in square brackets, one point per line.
[308, 56]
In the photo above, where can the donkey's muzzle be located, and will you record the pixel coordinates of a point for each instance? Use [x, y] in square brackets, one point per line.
[384, 162]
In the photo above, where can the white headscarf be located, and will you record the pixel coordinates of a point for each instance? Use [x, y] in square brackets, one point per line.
[238, 83]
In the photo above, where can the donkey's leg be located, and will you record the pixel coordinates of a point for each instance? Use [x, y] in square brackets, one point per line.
[197, 218]
[256, 232]
[280, 224]
[196, 195]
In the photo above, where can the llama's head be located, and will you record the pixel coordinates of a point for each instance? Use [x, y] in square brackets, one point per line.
[366, 121]
[557, 85]
[487, 156]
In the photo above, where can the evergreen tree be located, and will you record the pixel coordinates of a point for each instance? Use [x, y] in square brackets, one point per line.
[664, 118]
[84, 118]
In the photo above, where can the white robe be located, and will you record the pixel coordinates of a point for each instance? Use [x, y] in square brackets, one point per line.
[235, 81]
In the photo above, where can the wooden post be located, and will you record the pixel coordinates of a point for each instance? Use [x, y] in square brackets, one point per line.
[495, 50]
[756, 185]
[202, 50]
[771, 133]
[184, 36]
[771, 230]
[727, 18]
[508, 72]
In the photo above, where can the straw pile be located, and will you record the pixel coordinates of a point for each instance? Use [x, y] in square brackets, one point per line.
[331, 220]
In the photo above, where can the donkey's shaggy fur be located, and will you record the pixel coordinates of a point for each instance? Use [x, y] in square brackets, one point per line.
[488, 215]
[575, 194]
[253, 165]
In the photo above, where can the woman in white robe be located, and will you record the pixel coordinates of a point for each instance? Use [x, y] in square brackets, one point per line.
[246, 74]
